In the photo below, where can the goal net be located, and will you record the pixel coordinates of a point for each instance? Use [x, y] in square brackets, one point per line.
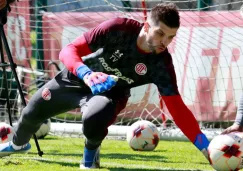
[207, 54]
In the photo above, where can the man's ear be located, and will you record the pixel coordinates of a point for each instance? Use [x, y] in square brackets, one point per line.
[146, 26]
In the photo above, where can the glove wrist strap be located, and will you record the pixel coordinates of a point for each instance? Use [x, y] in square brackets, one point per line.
[201, 142]
[82, 71]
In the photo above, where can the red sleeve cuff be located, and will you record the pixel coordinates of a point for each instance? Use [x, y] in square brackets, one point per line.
[182, 116]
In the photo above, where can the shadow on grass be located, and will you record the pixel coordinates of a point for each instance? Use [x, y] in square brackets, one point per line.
[57, 153]
[146, 158]
[134, 157]
[62, 163]
[119, 156]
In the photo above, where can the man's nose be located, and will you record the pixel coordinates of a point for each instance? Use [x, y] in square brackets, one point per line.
[164, 41]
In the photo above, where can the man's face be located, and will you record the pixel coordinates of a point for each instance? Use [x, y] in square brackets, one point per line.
[159, 37]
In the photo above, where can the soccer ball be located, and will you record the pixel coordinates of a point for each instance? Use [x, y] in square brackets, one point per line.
[44, 129]
[6, 132]
[143, 136]
[225, 152]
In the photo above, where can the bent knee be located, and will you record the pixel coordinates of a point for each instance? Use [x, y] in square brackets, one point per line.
[97, 108]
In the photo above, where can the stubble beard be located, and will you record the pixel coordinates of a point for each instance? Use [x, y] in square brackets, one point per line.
[151, 47]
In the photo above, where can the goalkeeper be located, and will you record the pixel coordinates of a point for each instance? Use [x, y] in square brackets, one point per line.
[101, 66]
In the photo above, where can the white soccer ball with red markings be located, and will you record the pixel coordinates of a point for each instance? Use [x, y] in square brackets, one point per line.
[226, 151]
[143, 136]
[6, 132]
[44, 129]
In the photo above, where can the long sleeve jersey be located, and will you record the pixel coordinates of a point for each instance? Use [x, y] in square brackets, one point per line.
[111, 47]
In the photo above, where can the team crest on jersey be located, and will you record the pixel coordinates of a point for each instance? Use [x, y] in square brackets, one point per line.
[46, 94]
[141, 69]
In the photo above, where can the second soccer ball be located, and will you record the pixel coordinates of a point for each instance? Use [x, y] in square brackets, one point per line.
[143, 136]
[226, 151]
[44, 129]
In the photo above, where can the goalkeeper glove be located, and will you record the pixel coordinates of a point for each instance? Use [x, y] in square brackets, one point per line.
[97, 81]
[202, 143]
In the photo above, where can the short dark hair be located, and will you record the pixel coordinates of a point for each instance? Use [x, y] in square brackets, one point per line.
[166, 13]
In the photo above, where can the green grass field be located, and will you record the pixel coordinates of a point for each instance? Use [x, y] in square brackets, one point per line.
[64, 154]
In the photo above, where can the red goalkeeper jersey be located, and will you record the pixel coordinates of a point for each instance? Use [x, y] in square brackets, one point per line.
[111, 47]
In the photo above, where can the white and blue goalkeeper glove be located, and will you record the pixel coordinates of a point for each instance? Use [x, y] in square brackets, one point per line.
[97, 81]
[202, 143]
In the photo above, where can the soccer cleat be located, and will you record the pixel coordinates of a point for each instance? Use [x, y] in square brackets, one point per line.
[91, 159]
[7, 149]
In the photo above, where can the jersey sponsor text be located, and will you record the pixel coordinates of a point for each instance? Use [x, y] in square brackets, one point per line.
[116, 71]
